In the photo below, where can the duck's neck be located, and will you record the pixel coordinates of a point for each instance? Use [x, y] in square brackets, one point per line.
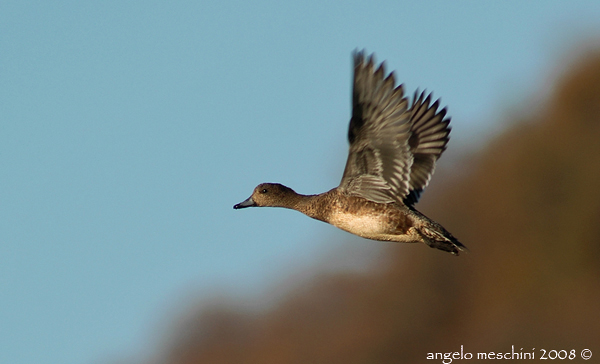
[309, 205]
[296, 201]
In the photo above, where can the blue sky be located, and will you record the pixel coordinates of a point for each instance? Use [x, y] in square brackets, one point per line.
[129, 129]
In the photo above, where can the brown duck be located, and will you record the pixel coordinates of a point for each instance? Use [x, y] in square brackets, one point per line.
[394, 147]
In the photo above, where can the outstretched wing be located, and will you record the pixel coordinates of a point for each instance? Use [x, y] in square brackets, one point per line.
[393, 148]
[429, 137]
[379, 161]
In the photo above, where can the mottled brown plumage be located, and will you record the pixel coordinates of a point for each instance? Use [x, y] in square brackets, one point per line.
[393, 152]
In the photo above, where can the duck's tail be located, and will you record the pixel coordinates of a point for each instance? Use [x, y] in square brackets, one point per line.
[437, 237]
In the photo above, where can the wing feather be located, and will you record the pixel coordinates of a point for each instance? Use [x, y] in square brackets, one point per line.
[429, 137]
[379, 159]
[393, 147]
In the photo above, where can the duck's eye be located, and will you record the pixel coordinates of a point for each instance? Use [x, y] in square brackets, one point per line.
[264, 190]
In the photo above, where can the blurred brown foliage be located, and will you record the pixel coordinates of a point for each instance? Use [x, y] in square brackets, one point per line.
[529, 210]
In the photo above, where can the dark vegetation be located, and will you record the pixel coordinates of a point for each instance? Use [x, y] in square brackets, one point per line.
[528, 208]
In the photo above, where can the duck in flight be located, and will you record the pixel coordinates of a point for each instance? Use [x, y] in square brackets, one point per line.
[394, 147]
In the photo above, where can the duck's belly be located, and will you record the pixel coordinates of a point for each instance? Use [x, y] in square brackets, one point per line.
[366, 225]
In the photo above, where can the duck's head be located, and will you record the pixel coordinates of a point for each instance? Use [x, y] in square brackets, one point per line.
[269, 194]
